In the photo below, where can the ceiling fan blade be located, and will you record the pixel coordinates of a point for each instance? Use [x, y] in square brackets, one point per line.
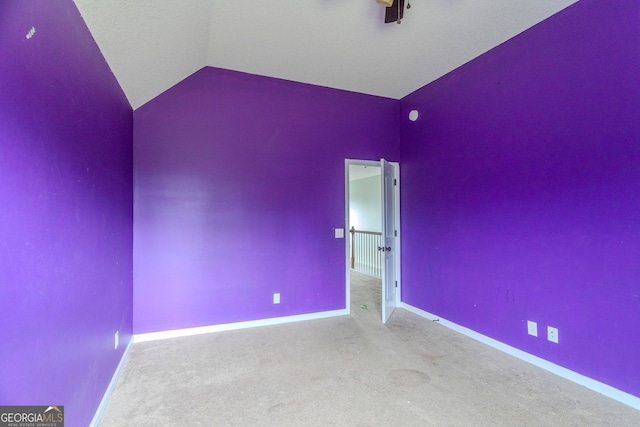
[395, 12]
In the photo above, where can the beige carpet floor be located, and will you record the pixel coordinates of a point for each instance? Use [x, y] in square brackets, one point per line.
[347, 371]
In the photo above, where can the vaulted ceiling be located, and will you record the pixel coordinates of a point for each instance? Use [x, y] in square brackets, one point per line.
[153, 44]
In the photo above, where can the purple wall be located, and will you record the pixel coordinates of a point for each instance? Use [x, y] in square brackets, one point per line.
[239, 183]
[521, 192]
[66, 218]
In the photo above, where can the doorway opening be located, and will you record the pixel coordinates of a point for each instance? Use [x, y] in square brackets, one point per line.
[372, 239]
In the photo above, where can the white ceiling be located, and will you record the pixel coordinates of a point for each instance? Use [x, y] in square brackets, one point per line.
[153, 44]
[357, 172]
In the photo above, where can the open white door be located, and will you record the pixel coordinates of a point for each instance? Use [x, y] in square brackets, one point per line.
[388, 238]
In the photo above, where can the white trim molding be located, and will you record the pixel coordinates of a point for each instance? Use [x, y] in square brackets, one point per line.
[153, 336]
[97, 417]
[590, 383]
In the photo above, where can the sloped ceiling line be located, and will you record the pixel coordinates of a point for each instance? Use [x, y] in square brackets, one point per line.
[153, 44]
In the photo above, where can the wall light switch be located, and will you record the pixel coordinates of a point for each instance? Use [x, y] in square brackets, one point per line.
[339, 233]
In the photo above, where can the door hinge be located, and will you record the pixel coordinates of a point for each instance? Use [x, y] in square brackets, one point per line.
[395, 233]
[395, 181]
[396, 283]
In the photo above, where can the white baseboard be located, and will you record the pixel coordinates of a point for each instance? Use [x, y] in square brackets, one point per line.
[152, 336]
[590, 383]
[112, 384]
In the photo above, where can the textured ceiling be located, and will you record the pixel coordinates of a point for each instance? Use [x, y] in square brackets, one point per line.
[153, 44]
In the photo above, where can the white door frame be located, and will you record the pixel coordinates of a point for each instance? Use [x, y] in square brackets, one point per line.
[397, 254]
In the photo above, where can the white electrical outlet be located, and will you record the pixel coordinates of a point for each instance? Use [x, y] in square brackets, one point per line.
[552, 334]
[116, 340]
[532, 328]
[276, 298]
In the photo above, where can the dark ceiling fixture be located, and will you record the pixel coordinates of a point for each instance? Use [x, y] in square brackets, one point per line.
[394, 11]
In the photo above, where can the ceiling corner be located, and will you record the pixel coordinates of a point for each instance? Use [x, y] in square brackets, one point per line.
[150, 45]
